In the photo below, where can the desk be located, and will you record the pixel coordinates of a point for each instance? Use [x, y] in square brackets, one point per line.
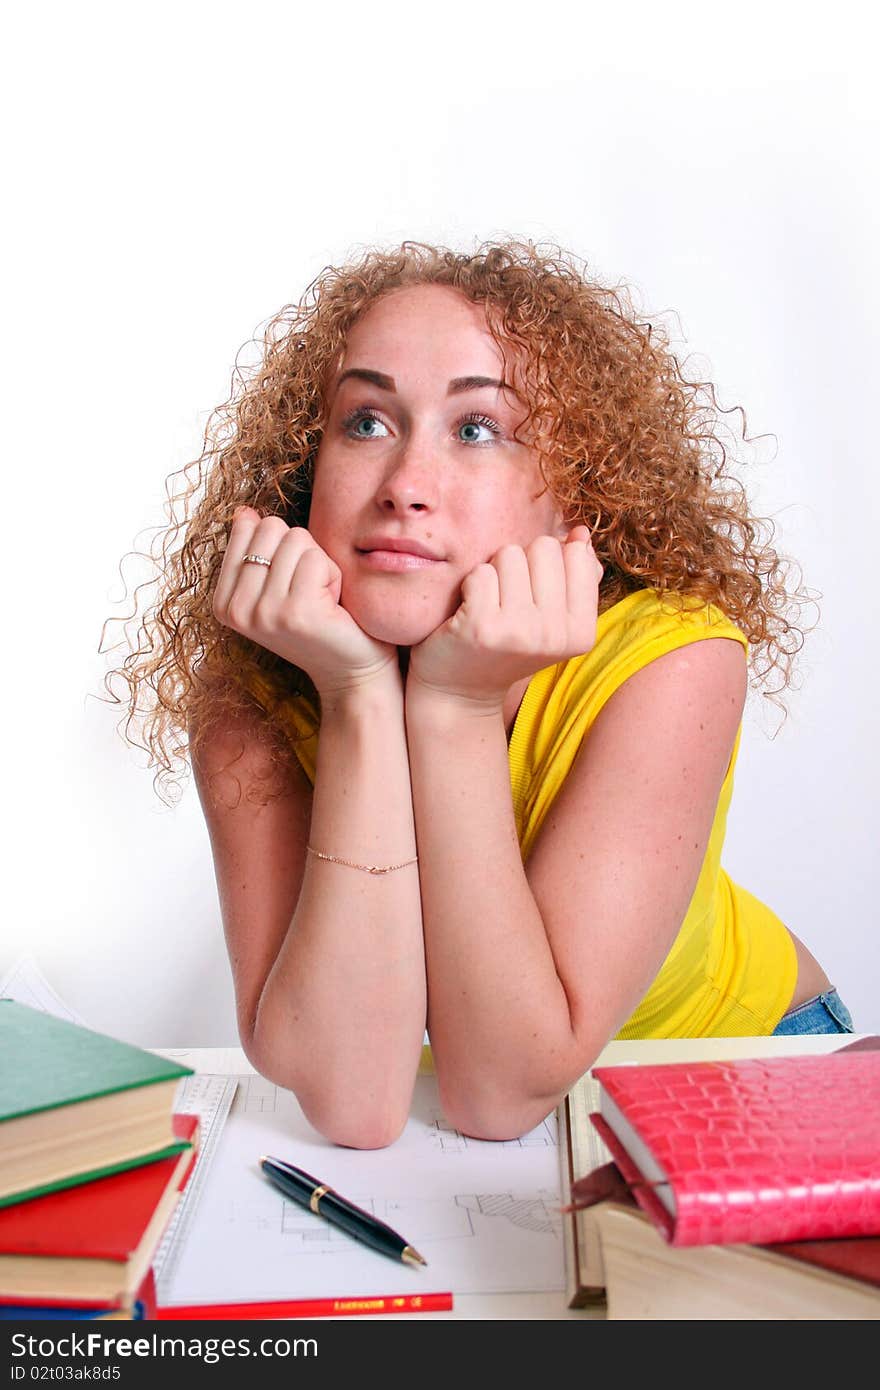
[551, 1306]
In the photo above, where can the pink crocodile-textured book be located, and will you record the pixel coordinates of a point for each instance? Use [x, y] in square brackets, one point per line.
[749, 1151]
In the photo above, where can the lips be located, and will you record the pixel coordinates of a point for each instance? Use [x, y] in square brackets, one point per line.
[398, 545]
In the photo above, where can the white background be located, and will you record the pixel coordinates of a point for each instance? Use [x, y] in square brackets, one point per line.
[174, 175]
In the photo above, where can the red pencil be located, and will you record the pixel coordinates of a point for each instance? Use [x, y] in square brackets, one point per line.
[309, 1307]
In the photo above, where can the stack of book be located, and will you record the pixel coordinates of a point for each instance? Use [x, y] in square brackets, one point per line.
[93, 1160]
[744, 1189]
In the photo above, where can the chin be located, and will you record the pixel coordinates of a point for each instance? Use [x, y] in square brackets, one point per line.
[401, 625]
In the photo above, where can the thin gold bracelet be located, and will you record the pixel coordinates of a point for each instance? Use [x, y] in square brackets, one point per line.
[364, 868]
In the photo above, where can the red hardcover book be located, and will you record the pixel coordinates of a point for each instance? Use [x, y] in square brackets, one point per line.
[758, 1151]
[141, 1307]
[854, 1257]
[92, 1245]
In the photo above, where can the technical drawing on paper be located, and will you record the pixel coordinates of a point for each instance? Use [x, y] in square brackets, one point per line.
[425, 1220]
[538, 1213]
[256, 1095]
[485, 1215]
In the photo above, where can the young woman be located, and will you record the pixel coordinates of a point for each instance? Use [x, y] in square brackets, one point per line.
[459, 633]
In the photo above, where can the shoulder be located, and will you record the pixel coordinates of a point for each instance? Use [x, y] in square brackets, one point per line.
[657, 648]
[678, 640]
[704, 681]
[636, 633]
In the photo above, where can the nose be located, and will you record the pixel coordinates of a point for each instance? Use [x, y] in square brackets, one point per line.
[411, 482]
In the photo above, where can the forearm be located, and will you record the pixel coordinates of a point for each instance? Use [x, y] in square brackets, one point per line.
[342, 1014]
[499, 1017]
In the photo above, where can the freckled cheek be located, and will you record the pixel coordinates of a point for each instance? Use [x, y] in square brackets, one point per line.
[514, 526]
[332, 517]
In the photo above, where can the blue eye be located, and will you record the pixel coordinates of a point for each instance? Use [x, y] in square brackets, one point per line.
[473, 424]
[352, 425]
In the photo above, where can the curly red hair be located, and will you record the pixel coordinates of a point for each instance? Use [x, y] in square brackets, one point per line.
[627, 444]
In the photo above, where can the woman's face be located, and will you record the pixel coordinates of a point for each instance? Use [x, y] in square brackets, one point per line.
[418, 476]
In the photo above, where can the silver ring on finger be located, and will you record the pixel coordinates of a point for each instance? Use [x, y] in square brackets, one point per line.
[255, 560]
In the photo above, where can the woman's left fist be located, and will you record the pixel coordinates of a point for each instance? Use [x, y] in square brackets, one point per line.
[525, 609]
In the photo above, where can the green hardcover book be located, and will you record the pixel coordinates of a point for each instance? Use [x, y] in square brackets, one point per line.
[77, 1105]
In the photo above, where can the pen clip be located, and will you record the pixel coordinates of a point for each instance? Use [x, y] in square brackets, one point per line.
[315, 1198]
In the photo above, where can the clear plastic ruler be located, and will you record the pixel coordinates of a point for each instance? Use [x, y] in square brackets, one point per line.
[209, 1097]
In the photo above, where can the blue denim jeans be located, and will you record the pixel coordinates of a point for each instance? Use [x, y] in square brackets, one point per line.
[824, 1013]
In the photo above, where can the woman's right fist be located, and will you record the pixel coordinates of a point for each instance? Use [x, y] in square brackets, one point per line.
[291, 605]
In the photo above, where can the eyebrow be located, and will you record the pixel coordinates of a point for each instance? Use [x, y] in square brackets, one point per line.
[455, 387]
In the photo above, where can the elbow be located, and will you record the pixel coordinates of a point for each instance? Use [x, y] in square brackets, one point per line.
[351, 1121]
[495, 1117]
[353, 1132]
[508, 1108]
[498, 1125]
[362, 1120]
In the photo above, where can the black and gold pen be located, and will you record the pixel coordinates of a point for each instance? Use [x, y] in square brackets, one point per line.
[322, 1200]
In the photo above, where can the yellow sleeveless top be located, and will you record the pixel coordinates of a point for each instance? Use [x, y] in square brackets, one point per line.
[732, 968]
